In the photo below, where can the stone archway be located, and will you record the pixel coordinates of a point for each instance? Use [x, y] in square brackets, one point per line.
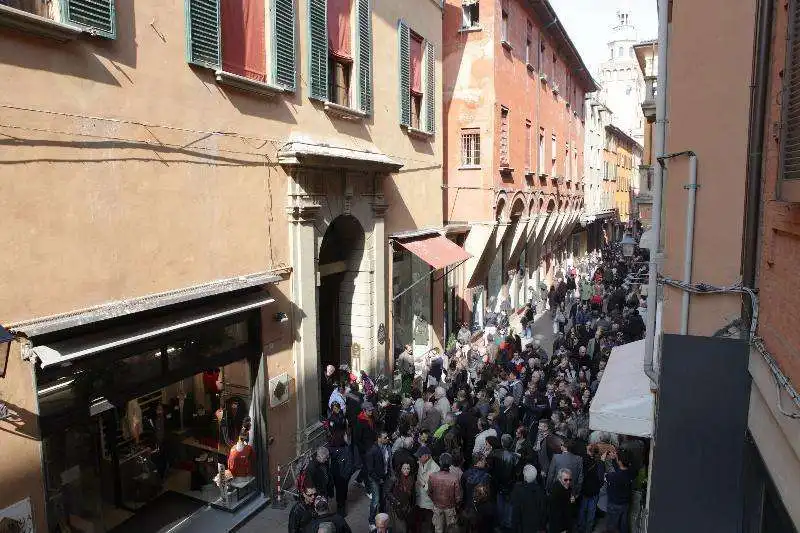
[334, 196]
[342, 285]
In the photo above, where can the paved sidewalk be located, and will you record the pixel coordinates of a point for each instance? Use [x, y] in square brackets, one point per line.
[271, 520]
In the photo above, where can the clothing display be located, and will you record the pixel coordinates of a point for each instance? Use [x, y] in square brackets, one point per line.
[134, 419]
[240, 460]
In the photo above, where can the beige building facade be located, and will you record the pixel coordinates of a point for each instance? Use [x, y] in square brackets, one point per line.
[156, 185]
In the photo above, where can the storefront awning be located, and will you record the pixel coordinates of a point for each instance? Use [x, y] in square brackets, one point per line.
[624, 403]
[517, 240]
[75, 348]
[439, 252]
[476, 245]
[647, 240]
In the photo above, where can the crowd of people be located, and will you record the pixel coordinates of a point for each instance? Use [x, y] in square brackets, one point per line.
[492, 435]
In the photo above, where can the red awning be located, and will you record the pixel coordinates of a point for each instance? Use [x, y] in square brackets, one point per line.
[437, 251]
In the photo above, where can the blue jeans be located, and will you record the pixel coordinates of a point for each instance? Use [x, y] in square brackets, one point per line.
[375, 507]
[617, 517]
[586, 513]
[504, 510]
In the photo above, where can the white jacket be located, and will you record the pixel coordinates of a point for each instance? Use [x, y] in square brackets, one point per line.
[423, 500]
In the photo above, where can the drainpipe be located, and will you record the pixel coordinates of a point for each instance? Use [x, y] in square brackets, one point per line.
[688, 252]
[660, 147]
[755, 148]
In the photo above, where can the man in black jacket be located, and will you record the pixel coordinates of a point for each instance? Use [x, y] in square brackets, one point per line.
[319, 473]
[324, 515]
[377, 463]
[528, 504]
[503, 471]
[302, 511]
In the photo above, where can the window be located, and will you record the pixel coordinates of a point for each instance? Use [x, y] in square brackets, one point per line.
[470, 12]
[553, 152]
[98, 16]
[620, 52]
[541, 150]
[417, 81]
[504, 25]
[504, 134]
[528, 44]
[470, 148]
[234, 40]
[340, 52]
[789, 177]
[527, 146]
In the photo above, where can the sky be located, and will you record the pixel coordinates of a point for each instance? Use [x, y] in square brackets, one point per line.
[588, 24]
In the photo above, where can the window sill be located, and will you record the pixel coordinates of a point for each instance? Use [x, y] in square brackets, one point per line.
[470, 29]
[344, 112]
[543, 174]
[507, 45]
[37, 25]
[418, 134]
[246, 84]
[506, 170]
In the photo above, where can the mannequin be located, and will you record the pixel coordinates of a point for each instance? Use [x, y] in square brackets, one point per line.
[134, 416]
[240, 458]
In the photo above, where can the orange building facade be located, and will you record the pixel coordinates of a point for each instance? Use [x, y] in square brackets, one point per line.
[514, 87]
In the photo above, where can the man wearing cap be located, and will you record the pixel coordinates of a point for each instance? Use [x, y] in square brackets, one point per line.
[364, 435]
[427, 466]
[444, 489]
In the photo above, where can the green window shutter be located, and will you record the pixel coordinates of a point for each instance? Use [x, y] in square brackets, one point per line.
[405, 73]
[430, 88]
[97, 16]
[203, 46]
[283, 33]
[318, 48]
[365, 55]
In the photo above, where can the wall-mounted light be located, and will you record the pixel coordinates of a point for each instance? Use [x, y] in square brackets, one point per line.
[280, 316]
[5, 348]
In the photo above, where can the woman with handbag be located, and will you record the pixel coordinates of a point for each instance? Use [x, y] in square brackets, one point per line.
[400, 498]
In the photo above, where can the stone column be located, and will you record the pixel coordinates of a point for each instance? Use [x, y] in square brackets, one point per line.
[380, 329]
[302, 210]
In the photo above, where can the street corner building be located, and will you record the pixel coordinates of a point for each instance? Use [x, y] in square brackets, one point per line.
[205, 203]
[514, 90]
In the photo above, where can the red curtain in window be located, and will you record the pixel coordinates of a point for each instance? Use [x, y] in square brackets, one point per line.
[339, 37]
[416, 65]
[244, 49]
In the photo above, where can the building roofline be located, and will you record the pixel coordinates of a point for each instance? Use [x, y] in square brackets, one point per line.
[616, 131]
[551, 20]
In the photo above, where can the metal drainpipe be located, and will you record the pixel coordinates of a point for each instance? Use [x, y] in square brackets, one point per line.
[755, 148]
[688, 252]
[660, 146]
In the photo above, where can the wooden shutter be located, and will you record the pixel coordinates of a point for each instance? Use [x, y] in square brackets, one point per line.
[202, 33]
[404, 36]
[430, 88]
[284, 44]
[791, 99]
[365, 56]
[318, 48]
[98, 16]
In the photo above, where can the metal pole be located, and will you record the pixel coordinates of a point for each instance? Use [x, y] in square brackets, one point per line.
[660, 138]
[688, 251]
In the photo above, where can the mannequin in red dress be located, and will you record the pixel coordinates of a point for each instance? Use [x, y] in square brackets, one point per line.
[240, 458]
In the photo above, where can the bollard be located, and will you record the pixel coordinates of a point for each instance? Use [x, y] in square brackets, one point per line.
[279, 502]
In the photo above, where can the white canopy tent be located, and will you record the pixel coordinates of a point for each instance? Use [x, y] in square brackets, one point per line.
[646, 240]
[624, 403]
